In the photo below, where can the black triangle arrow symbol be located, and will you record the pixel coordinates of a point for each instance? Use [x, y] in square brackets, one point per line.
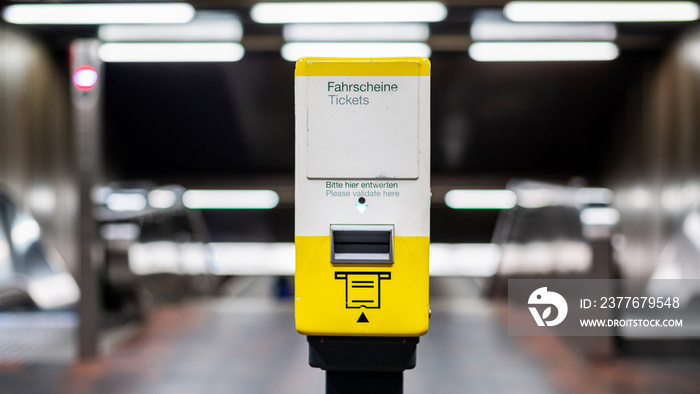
[363, 318]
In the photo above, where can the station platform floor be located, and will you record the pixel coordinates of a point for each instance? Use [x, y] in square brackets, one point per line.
[245, 342]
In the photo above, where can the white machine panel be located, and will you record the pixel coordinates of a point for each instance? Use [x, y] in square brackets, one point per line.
[353, 123]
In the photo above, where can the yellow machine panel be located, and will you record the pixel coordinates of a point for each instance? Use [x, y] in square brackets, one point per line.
[362, 195]
[362, 300]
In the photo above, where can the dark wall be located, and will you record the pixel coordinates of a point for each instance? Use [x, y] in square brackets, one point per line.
[657, 172]
[35, 139]
[176, 122]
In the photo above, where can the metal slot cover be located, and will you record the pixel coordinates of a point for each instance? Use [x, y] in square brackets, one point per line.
[368, 244]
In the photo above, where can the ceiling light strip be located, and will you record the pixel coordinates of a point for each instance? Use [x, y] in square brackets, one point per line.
[230, 199]
[348, 12]
[356, 32]
[171, 52]
[91, 14]
[481, 199]
[295, 50]
[601, 11]
[489, 30]
[543, 51]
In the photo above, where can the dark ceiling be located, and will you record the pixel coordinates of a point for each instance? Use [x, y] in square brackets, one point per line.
[179, 121]
[199, 122]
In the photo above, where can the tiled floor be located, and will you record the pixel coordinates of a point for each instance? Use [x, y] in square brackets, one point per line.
[246, 343]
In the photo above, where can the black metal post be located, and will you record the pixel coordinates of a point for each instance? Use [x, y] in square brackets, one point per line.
[363, 364]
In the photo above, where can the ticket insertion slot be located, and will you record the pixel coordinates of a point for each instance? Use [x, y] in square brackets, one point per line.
[363, 244]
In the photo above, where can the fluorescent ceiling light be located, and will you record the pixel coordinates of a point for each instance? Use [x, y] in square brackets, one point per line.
[162, 199]
[171, 52]
[295, 50]
[481, 199]
[201, 29]
[252, 258]
[542, 51]
[230, 199]
[349, 12]
[169, 257]
[601, 11]
[600, 216]
[502, 30]
[120, 231]
[357, 32]
[543, 197]
[474, 260]
[121, 202]
[91, 14]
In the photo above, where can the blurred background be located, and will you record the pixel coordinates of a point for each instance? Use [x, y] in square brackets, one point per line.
[147, 191]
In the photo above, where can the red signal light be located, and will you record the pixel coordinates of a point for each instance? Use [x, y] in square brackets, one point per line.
[85, 78]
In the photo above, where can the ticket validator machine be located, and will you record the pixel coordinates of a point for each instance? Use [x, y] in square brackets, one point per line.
[362, 197]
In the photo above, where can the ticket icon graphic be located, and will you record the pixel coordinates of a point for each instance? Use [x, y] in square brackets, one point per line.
[363, 289]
